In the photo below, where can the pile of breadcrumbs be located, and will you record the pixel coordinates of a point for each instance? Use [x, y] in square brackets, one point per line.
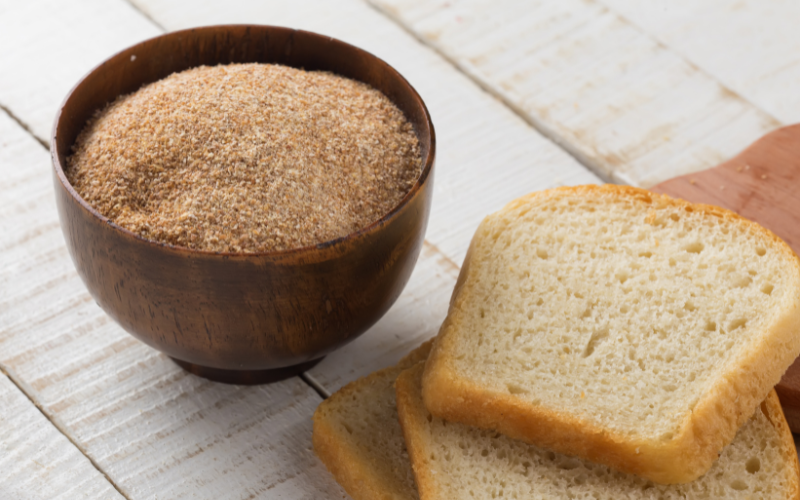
[246, 158]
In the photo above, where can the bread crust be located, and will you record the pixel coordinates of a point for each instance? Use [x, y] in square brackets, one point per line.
[711, 425]
[346, 462]
[351, 474]
[354, 471]
[408, 410]
[771, 407]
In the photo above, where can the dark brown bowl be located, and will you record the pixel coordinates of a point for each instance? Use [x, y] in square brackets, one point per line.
[243, 318]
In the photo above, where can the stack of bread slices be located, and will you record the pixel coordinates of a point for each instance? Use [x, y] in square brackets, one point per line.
[602, 342]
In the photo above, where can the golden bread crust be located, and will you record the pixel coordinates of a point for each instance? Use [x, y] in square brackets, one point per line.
[350, 473]
[710, 426]
[413, 414]
[771, 407]
[409, 410]
[351, 466]
[346, 462]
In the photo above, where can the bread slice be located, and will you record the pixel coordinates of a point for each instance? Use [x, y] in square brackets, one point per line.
[453, 460]
[619, 326]
[358, 437]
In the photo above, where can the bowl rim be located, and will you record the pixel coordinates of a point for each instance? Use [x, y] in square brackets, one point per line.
[330, 245]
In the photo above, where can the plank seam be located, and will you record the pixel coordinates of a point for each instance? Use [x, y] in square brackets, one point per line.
[5, 371]
[543, 127]
[314, 384]
[24, 126]
[664, 45]
[146, 15]
[538, 125]
[441, 253]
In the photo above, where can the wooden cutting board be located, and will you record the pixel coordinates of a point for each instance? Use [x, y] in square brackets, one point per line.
[762, 184]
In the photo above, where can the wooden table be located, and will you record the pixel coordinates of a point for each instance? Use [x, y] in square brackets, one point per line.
[524, 95]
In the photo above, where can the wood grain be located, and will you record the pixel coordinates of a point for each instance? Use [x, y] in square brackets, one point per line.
[760, 184]
[55, 43]
[415, 317]
[750, 46]
[626, 106]
[37, 462]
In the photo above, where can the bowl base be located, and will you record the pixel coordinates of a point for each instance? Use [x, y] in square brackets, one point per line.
[246, 377]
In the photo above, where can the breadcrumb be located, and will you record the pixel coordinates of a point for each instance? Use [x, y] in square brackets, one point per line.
[246, 158]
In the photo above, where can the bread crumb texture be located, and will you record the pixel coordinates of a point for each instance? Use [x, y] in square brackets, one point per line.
[246, 158]
[616, 306]
[358, 436]
[469, 463]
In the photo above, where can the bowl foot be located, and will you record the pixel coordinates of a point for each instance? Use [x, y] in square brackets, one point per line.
[246, 377]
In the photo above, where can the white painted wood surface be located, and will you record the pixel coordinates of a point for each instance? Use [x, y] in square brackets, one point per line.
[49, 44]
[750, 46]
[37, 462]
[631, 109]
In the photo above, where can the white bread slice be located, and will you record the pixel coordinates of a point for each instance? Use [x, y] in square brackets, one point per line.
[358, 437]
[619, 326]
[455, 461]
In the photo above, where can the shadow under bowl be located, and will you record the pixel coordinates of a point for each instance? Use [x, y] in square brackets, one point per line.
[241, 317]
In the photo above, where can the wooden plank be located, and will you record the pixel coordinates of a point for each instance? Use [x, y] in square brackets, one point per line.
[155, 430]
[36, 460]
[54, 43]
[486, 156]
[750, 46]
[631, 109]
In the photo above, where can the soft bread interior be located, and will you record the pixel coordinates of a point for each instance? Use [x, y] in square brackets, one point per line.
[453, 460]
[615, 308]
[617, 325]
[358, 437]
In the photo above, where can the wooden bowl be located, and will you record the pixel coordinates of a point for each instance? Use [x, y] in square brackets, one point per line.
[235, 317]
